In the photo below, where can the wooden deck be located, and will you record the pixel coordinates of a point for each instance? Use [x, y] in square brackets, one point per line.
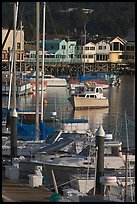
[20, 191]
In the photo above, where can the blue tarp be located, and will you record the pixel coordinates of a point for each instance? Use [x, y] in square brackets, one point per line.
[94, 75]
[75, 121]
[27, 132]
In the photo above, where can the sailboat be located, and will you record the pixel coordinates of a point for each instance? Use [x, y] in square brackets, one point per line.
[31, 134]
[39, 131]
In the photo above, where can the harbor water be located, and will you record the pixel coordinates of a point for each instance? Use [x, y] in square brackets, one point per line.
[119, 117]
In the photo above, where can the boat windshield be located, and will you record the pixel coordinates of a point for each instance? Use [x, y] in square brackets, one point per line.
[98, 90]
[48, 76]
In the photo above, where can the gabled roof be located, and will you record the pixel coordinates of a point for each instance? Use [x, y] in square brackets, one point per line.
[120, 39]
[90, 43]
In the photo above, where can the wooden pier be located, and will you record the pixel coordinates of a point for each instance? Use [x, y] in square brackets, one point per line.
[68, 69]
[20, 191]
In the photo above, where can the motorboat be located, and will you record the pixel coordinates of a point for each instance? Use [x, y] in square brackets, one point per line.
[90, 97]
[22, 87]
[51, 80]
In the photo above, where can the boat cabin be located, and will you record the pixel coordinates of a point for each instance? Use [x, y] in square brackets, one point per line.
[90, 92]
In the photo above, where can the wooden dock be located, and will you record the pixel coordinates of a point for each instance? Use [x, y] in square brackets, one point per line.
[20, 191]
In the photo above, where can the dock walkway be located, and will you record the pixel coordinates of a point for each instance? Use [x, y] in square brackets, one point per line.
[20, 191]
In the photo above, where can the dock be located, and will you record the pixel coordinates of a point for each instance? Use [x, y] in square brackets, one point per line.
[20, 191]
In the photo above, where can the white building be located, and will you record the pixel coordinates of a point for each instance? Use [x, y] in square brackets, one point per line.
[7, 49]
[102, 51]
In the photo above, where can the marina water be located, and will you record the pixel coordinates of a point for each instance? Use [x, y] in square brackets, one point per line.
[119, 117]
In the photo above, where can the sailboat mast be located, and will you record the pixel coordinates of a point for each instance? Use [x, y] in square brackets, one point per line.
[84, 48]
[12, 57]
[37, 68]
[14, 112]
[42, 82]
[20, 42]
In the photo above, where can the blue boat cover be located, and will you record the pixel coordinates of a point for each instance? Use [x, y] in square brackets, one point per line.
[27, 132]
[94, 75]
[75, 121]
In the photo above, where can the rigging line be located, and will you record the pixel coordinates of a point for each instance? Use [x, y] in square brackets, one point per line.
[48, 10]
[65, 183]
[131, 122]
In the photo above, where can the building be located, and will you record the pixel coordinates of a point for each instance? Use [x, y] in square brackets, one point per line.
[129, 54]
[56, 51]
[7, 49]
[85, 53]
[117, 48]
[102, 51]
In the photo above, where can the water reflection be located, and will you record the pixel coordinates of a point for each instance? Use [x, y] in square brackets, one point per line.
[94, 116]
[121, 100]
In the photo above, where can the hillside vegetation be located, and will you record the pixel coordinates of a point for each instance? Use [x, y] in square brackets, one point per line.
[107, 18]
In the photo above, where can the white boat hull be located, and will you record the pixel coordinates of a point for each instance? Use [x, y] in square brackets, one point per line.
[89, 103]
[53, 82]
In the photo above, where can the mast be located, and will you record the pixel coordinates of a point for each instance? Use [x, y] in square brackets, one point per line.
[14, 112]
[42, 82]
[37, 68]
[127, 164]
[20, 42]
[84, 48]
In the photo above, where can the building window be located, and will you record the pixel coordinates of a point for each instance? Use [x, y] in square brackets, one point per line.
[92, 48]
[116, 46]
[86, 48]
[97, 58]
[33, 56]
[63, 47]
[130, 48]
[18, 56]
[100, 47]
[18, 46]
[90, 56]
[71, 56]
[104, 57]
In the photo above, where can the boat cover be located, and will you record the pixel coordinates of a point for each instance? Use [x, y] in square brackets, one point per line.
[27, 132]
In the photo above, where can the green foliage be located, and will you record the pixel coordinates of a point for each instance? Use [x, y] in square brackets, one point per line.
[108, 18]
